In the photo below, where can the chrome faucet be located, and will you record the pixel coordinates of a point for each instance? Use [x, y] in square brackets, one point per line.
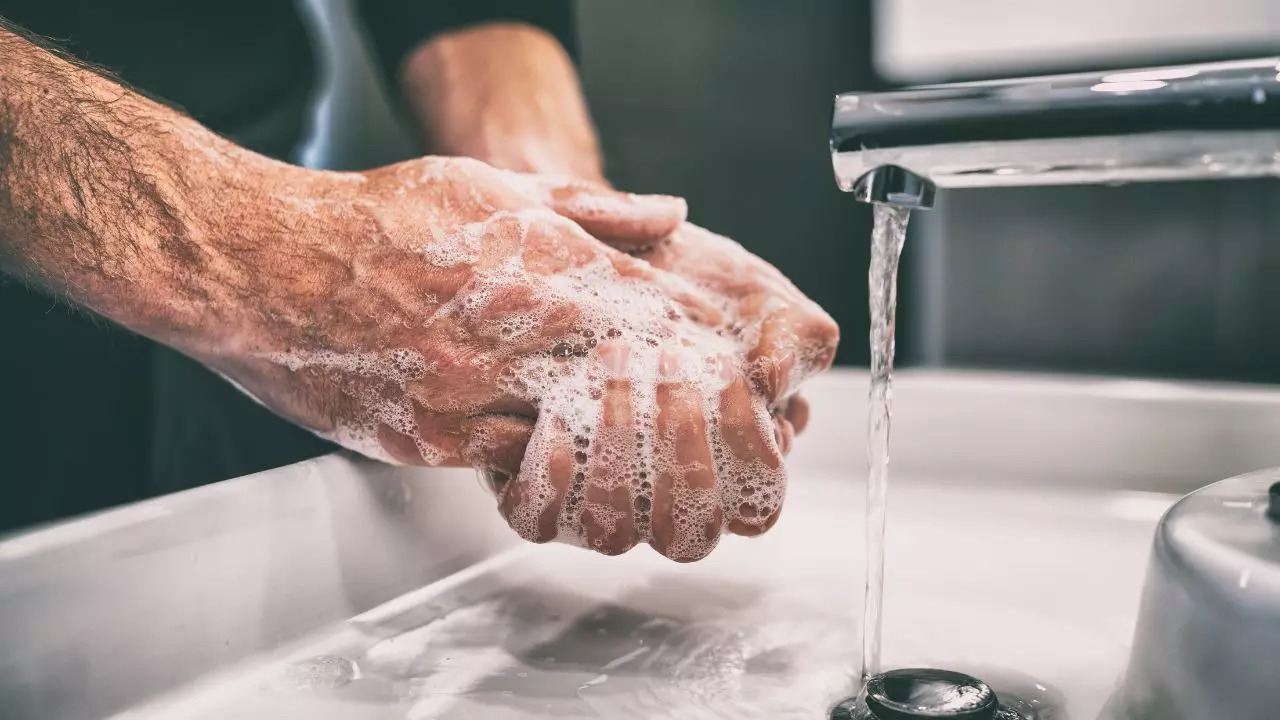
[1170, 123]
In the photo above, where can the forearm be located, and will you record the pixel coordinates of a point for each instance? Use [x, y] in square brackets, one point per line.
[505, 93]
[111, 199]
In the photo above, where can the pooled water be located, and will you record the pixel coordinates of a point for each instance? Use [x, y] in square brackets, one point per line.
[887, 238]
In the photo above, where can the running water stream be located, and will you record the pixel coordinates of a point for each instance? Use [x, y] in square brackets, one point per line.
[906, 692]
[887, 237]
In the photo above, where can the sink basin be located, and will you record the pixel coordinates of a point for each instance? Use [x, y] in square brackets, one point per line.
[1000, 579]
[1021, 515]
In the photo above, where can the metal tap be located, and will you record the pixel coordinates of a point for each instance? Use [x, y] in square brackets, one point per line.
[1170, 123]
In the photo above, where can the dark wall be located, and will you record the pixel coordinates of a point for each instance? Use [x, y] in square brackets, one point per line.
[1172, 279]
[728, 103]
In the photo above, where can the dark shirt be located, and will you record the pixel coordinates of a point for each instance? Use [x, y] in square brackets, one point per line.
[247, 67]
[93, 416]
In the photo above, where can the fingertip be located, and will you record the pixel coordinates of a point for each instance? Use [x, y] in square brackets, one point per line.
[700, 553]
[532, 503]
[616, 549]
[797, 413]
[754, 527]
[625, 220]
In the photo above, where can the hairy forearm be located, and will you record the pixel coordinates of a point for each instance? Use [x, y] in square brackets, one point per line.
[505, 93]
[115, 201]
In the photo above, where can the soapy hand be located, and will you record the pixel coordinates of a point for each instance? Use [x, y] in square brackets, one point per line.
[443, 312]
[790, 337]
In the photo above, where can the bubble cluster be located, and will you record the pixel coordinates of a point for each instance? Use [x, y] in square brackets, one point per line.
[378, 382]
[460, 246]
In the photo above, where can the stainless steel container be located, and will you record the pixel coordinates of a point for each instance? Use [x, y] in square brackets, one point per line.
[1208, 637]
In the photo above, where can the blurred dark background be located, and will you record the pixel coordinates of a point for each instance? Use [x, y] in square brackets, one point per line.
[727, 102]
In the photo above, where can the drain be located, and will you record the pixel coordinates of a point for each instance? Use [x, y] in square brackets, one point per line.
[911, 693]
[927, 693]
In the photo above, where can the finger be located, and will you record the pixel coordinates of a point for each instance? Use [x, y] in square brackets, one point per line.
[773, 357]
[749, 461]
[797, 413]
[609, 507]
[687, 514]
[628, 222]
[532, 504]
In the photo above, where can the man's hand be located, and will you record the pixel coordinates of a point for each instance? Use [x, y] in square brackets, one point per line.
[443, 312]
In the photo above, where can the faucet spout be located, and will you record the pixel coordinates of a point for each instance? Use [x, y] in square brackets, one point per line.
[1184, 122]
[892, 185]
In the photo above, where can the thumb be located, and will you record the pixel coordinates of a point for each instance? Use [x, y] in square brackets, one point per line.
[626, 221]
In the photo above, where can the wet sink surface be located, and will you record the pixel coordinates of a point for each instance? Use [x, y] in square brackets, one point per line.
[1038, 583]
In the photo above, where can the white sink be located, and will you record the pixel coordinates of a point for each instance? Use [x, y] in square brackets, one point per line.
[1021, 515]
[1043, 583]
